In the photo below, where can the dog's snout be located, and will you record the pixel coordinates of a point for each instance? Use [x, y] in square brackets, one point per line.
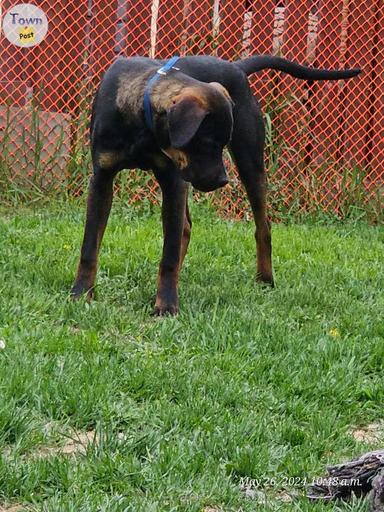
[210, 186]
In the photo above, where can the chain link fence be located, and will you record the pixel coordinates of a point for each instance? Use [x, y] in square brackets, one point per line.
[325, 141]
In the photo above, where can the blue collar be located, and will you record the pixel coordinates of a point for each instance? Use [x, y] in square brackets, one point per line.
[147, 99]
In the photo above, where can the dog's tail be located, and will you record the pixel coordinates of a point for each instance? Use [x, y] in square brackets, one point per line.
[260, 62]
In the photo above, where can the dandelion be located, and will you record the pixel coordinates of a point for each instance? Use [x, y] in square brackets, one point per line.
[66, 247]
[335, 333]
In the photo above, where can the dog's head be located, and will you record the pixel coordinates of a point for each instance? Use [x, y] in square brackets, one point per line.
[199, 124]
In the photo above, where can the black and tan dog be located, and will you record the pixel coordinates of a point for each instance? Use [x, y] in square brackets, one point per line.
[194, 107]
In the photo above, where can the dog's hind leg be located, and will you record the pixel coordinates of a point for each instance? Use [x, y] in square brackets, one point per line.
[98, 209]
[247, 148]
[176, 237]
[186, 232]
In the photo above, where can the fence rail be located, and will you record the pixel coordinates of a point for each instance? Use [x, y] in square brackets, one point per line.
[325, 141]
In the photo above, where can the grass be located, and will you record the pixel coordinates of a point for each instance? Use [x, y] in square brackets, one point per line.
[245, 382]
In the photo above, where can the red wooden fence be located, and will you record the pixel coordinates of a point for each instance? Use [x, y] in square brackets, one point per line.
[325, 135]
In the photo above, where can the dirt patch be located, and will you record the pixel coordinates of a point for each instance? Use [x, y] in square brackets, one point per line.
[267, 494]
[77, 442]
[372, 433]
[12, 508]
[71, 443]
[284, 497]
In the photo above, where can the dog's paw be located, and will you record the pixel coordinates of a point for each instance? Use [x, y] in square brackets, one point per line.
[165, 309]
[266, 280]
[78, 291]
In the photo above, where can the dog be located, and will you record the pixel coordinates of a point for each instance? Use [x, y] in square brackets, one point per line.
[175, 118]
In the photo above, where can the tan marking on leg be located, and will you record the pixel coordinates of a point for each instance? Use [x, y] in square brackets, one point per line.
[264, 253]
[185, 240]
[109, 159]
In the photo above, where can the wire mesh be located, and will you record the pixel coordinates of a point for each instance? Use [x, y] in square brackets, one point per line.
[325, 141]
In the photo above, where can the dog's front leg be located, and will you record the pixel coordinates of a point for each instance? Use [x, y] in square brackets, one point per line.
[247, 147]
[174, 191]
[98, 209]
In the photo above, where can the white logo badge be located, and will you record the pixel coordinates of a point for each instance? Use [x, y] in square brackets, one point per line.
[25, 25]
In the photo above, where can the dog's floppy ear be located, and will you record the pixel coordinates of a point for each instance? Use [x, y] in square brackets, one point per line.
[184, 118]
[222, 90]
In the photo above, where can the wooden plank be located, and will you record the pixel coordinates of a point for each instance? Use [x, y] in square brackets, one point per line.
[327, 101]
[375, 178]
[261, 42]
[295, 46]
[13, 64]
[136, 27]
[48, 68]
[76, 30]
[232, 13]
[103, 36]
[362, 18]
[295, 120]
[54, 134]
[199, 27]
[263, 17]
[170, 28]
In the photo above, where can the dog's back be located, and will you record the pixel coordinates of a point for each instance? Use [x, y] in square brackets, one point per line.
[176, 120]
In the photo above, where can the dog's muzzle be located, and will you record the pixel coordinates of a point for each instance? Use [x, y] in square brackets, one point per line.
[210, 186]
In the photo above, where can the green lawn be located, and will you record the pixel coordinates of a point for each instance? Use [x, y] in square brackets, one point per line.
[245, 382]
